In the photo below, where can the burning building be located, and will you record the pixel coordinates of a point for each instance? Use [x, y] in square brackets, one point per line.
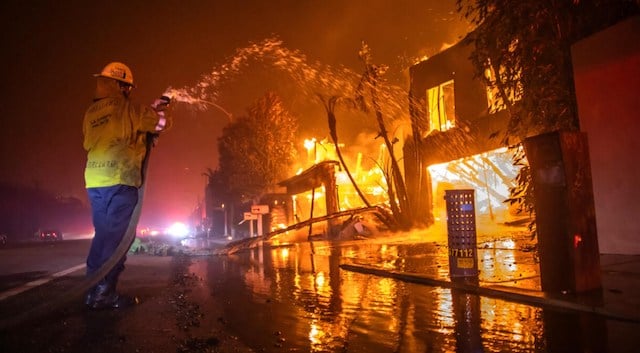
[455, 142]
[323, 189]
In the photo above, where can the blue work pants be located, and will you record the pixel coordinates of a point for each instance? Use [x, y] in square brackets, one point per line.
[111, 208]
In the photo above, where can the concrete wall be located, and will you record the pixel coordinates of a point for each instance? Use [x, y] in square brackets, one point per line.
[607, 79]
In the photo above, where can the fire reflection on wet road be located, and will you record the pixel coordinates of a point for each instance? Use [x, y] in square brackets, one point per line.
[297, 297]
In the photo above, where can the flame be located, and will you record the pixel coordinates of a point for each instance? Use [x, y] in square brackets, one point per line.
[309, 143]
[491, 174]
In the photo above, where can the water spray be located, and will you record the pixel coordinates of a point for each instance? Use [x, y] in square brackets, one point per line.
[181, 95]
[312, 77]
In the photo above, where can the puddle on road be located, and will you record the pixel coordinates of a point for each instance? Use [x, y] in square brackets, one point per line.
[297, 298]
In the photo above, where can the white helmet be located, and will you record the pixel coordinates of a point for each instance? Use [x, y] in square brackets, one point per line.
[117, 71]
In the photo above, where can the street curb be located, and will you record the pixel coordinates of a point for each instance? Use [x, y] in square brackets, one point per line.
[513, 296]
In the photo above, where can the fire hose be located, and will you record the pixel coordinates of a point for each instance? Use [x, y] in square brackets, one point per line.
[91, 280]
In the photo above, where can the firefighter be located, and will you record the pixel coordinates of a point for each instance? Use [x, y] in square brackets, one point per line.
[115, 133]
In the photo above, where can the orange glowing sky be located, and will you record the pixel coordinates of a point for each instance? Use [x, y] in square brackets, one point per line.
[51, 48]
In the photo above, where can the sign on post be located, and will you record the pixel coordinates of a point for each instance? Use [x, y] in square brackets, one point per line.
[248, 216]
[260, 209]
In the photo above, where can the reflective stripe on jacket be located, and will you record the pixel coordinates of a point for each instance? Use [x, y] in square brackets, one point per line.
[114, 136]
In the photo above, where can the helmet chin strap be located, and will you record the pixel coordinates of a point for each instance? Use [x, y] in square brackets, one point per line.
[125, 89]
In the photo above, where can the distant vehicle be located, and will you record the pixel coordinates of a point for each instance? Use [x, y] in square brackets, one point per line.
[51, 234]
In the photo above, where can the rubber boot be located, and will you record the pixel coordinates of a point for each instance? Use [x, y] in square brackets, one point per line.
[104, 296]
[88, 298]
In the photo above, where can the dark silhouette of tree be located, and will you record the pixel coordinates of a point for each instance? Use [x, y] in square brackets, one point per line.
[25, 209]
[367, 97]
[527, 46]
[257, 150]
[218, 202]
[329, 106]
[216, 192]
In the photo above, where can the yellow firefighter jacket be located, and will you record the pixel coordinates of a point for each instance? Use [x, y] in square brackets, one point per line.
[115, 140]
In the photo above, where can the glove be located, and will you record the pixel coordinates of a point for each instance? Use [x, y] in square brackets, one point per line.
[160, 106]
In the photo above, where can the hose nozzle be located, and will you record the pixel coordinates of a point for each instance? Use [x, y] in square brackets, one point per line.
[164, 100]
[166, 96]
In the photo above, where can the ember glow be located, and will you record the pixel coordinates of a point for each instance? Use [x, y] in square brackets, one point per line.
[491, 174]
[368, 176]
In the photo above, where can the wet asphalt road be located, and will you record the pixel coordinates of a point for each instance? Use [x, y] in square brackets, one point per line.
[167, 318]
[296, 298]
